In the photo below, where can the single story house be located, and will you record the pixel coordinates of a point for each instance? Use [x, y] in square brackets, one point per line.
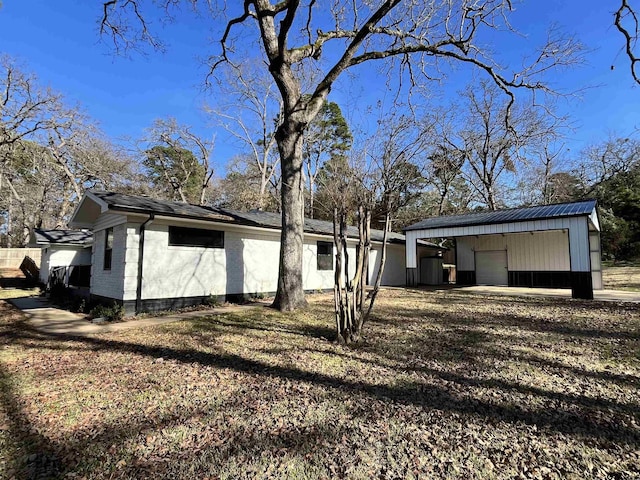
[556, 246]
[66, 255]
[151, 254]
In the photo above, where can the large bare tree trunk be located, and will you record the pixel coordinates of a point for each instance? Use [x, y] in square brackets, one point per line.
[290, 294]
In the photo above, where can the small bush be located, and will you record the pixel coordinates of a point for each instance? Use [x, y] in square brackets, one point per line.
[213, 301]
[111, 313]
[79, 305]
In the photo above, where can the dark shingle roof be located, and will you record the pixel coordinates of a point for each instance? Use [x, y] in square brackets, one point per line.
[69, 237]
[138, 204]
[311, 225]
[505, 216]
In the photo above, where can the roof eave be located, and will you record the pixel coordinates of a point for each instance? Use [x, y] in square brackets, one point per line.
[477, 224]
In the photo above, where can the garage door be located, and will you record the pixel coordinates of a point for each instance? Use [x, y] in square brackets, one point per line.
[491, 268]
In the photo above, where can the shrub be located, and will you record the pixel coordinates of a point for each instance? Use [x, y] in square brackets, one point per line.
[111, 313]
[213, 301]
[79, 305]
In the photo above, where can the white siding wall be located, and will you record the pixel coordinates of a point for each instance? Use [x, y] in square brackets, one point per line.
[109, 283]
[539, 251]
[61, 256]
[107, 220]
[248, 263]
[171, 271]
[130, 284]
[394, 269]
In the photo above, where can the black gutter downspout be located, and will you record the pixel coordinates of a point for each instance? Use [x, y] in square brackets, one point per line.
[140, 261]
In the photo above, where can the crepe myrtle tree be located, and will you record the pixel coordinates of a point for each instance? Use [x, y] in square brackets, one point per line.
[329, 38]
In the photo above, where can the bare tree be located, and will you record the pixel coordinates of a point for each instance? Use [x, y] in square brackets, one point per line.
[445, 169]
[545, 179]
[605, 160]
[346, 194]
[397, 161]
[250, 110]
[26, 111]
[86, 159]
[180, 158]
[49, 153]
[25, 108]
[495, 139]
[241, 188]
[333, 38]
[626, 21]
[386, 178]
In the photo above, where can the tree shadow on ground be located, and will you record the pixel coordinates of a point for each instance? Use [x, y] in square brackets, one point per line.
[262, 324]
[33, 455]
[578, 419]
[493, 318]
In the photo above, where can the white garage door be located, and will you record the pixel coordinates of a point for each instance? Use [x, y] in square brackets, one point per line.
[491, 268]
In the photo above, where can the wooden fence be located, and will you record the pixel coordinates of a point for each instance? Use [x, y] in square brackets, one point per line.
[13, 257]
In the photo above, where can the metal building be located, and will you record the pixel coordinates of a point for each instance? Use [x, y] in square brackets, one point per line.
[554, 246]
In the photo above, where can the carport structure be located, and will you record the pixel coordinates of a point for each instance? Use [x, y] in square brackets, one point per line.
[554, 246]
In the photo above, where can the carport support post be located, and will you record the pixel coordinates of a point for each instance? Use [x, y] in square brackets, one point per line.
[581, 281]
[411, 256]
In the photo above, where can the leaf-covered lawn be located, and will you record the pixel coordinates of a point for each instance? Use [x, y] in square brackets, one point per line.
[444, 385]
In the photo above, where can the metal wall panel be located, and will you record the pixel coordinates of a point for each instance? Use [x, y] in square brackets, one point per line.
[579, 244]
[410, 249]
[465, 253]
[578, 240]
[596, 260]
[539, 251]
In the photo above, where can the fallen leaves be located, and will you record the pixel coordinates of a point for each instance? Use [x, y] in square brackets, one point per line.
[443, 385]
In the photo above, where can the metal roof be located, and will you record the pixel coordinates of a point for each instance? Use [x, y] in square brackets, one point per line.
[255, 218]
[524, 214]
[68, 237]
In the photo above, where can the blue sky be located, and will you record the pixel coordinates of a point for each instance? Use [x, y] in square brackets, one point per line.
[59, 42]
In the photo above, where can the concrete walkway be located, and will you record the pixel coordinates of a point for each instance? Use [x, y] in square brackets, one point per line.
[599, 295]
[45, 318]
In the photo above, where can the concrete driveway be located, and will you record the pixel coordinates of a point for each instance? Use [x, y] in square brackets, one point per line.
[599, 295]
[48, 319]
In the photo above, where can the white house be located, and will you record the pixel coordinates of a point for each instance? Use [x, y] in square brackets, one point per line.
[546, 246]
[150, 255]
[65, 254]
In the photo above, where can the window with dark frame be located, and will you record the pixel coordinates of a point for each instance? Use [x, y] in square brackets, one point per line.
[195, 237]
[325, 255]
[108, 248]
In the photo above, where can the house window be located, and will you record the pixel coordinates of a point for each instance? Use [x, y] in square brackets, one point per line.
[195, 237]
[325, 255]
[108, 248]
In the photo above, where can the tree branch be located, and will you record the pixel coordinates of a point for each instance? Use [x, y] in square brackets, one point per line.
[630, 37]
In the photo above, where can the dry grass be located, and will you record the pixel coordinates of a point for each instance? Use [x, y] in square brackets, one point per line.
[622, 277]
[444, 385]
[8, 293]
